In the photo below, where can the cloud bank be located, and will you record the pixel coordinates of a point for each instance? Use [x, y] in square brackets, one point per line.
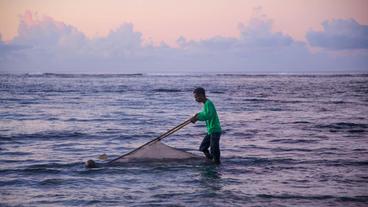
[46, 45]
[339, 34]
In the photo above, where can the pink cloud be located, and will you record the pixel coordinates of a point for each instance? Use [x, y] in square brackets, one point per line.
[45, 32]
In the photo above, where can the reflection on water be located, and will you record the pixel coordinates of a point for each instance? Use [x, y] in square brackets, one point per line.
[211, 177]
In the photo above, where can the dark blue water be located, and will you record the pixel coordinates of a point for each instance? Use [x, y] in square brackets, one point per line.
[289, 140]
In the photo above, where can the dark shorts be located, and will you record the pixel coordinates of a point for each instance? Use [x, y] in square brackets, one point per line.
[212, 141]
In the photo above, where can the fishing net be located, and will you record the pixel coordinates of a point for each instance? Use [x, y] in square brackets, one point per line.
[155, 151]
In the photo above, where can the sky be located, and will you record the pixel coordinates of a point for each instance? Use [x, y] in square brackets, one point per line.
[221, 36]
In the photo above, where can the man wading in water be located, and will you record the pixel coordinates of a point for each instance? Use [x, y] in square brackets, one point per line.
[209, 115]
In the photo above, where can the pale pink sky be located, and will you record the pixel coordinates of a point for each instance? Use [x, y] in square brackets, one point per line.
[166, 20]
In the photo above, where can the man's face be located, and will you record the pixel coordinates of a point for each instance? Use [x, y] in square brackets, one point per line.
[198, 97]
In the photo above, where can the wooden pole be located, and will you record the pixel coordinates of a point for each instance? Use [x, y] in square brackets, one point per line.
[162, 136]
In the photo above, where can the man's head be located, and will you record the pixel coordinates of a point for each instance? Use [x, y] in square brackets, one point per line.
[200, 94]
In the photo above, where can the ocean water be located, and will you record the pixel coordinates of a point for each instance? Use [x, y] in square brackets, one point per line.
[288, 140]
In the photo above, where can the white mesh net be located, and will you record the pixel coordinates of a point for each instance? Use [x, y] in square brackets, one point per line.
[155, 151]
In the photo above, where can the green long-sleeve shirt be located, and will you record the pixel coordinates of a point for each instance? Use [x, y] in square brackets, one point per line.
[209, 115]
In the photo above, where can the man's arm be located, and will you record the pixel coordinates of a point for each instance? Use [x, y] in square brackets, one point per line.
[194, 118]
[207, 113]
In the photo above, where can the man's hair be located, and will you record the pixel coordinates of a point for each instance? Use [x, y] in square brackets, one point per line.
[199, 90]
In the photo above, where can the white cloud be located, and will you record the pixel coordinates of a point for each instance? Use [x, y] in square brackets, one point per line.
[340, 34]
[258, 33]
[46, 45]
[122, 42]
[46, 33]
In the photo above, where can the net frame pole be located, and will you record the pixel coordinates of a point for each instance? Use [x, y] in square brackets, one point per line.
[162, 136]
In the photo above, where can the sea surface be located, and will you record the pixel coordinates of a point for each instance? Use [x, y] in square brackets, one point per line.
[288, 140]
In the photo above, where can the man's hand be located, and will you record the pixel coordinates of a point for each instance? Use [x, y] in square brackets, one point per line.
[194, 119]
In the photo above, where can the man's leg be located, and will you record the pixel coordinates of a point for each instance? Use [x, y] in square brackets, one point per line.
[215, 147]
[205, 145]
